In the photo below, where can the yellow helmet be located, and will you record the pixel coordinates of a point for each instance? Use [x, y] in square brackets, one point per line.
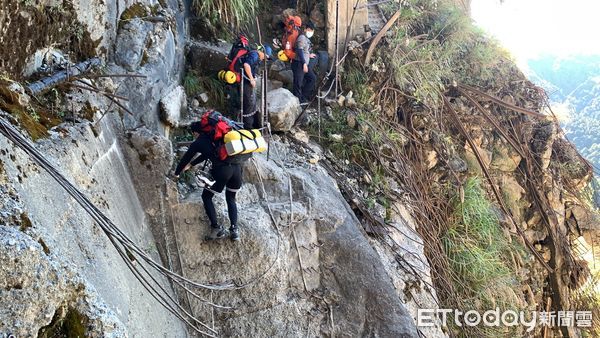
[281, 56]
[227, 76]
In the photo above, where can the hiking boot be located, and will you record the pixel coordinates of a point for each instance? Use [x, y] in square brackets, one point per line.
[216, 233]
[234, 233]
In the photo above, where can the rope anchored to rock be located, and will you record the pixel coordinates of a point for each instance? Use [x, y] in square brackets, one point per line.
[138, 262]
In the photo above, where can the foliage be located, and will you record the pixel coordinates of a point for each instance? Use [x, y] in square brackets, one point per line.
[356, 79]
[587, 298]
[195, 85]
[191, 84]
[434, 44]
[230, 14]
[431, 47]
[73, 324]
[477, 250]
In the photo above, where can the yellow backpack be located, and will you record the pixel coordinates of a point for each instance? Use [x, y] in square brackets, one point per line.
[244, 142]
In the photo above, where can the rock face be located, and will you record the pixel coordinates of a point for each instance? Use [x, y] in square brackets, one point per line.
[283, 108]
[206, 58]
[37, 289]
[46, 214]
[316, 260]
[155, 51]
[172, 105]
[321, 275]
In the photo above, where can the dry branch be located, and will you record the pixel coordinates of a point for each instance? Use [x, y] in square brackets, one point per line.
[380, 35]
[502, 103]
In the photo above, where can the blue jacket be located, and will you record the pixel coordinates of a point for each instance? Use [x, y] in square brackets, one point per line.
[252, 59]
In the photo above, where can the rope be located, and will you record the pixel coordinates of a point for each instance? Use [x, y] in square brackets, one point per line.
[130, 252]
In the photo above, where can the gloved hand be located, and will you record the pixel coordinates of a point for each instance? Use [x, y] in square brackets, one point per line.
[276, 43]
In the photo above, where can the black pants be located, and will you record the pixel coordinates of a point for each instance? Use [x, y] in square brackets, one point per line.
[226, 176]
[250, 118]
[304, 83]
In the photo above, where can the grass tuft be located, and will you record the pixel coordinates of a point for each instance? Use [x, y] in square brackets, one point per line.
[230, 14]
[195, 85]
[477, 250]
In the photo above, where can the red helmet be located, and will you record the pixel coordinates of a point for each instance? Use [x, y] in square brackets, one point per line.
[243, 39]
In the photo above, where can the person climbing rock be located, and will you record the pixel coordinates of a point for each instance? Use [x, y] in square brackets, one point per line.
[304, 75]
[227, 175]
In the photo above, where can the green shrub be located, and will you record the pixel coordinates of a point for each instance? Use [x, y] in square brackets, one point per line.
[587, 298]
[226, 13]
[357, 80]
[191, 84]
[433, 44]
[477, 251]
[195, 85]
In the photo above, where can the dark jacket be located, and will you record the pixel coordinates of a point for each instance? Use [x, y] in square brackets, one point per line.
[252, 59]
[204, 146]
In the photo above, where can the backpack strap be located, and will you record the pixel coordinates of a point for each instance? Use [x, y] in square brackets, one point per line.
[234, 62]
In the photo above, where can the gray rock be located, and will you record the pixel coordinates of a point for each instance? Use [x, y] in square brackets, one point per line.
[336, 137]
[504, 157]
[278, 66]
[155, 52]
[131, 43]
[351, 119]
[458, 164]
[96, 163]
[300, 135]
[271, 85]
[350, 102]
[195, 103]
[206, 58]
[283, 108]
[336, 259]
[203, 97]
[19, 91]
[172, 105]
[36, 288]
[274, 84]
[285, 76]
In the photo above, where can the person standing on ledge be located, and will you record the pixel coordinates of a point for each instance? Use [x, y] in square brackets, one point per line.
[227, 175]
[304, 76]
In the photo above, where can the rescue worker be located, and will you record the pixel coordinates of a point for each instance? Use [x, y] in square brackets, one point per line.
[249, 68]
[304, 75]
[227, 175]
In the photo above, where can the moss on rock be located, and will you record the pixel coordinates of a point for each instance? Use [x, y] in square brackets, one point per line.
[21, 34]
